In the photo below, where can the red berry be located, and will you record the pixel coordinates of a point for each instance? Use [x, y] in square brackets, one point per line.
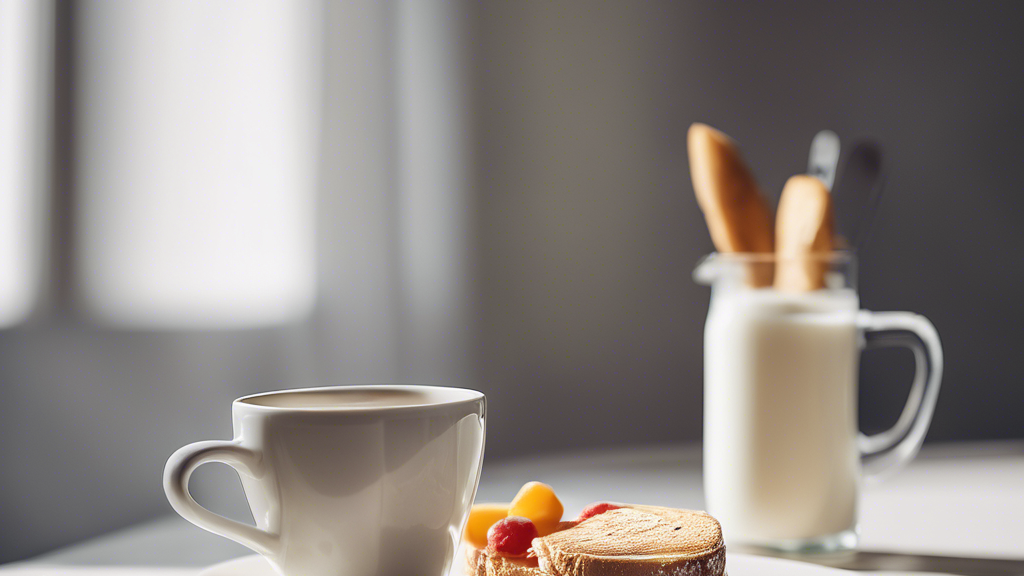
[595, 509]
[511, 536]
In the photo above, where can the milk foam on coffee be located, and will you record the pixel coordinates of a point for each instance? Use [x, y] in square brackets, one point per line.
[780, 454]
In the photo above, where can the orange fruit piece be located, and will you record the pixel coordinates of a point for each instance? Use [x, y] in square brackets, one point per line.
[538, 502]
[481, 518]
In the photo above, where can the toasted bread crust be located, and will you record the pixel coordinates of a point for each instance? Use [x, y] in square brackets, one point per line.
[565, 564]
[636, 541]
[803, 235]
[738, 217]
[478, 562]
[632, 541]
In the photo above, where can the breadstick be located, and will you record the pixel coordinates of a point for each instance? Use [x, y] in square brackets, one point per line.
[737, 216]
[803, 235]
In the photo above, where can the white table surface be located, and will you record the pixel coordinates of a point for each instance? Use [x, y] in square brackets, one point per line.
[957, 509]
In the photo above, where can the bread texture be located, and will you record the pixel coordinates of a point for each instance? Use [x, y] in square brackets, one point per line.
[804, 231]
[630, 541]
[737, 215]
[636, 541]
[479, 562]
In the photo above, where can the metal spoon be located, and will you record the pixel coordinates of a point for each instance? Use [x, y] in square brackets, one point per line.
[824, 157]
[856, 195]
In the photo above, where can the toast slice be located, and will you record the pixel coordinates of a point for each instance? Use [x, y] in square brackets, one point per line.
[636, 541]
[480, 562]
[630, 541]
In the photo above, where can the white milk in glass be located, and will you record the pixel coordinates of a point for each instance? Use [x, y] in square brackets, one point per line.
[780, 454]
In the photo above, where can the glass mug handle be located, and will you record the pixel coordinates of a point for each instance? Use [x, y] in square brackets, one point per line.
[887, 451]
[179, 468]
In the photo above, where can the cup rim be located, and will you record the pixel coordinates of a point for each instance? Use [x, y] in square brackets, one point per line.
[459, 396]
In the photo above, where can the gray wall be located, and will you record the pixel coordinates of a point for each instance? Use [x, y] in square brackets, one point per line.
[587, 325]
[592, 326]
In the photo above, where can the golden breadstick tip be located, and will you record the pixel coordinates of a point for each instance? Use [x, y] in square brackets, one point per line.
[737, 215]
[803, 235]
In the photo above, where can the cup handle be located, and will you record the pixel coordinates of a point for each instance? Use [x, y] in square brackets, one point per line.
[887, 451]
[179, 468]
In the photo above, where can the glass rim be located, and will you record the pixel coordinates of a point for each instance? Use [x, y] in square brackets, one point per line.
[833, 257]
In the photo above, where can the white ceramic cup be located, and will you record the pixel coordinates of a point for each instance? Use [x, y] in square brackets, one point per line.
[346, 481]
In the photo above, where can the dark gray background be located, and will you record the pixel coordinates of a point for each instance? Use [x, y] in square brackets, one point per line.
[591, 213]
[586, 325]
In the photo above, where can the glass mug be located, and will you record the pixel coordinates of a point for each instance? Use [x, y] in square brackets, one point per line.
[783, 458]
